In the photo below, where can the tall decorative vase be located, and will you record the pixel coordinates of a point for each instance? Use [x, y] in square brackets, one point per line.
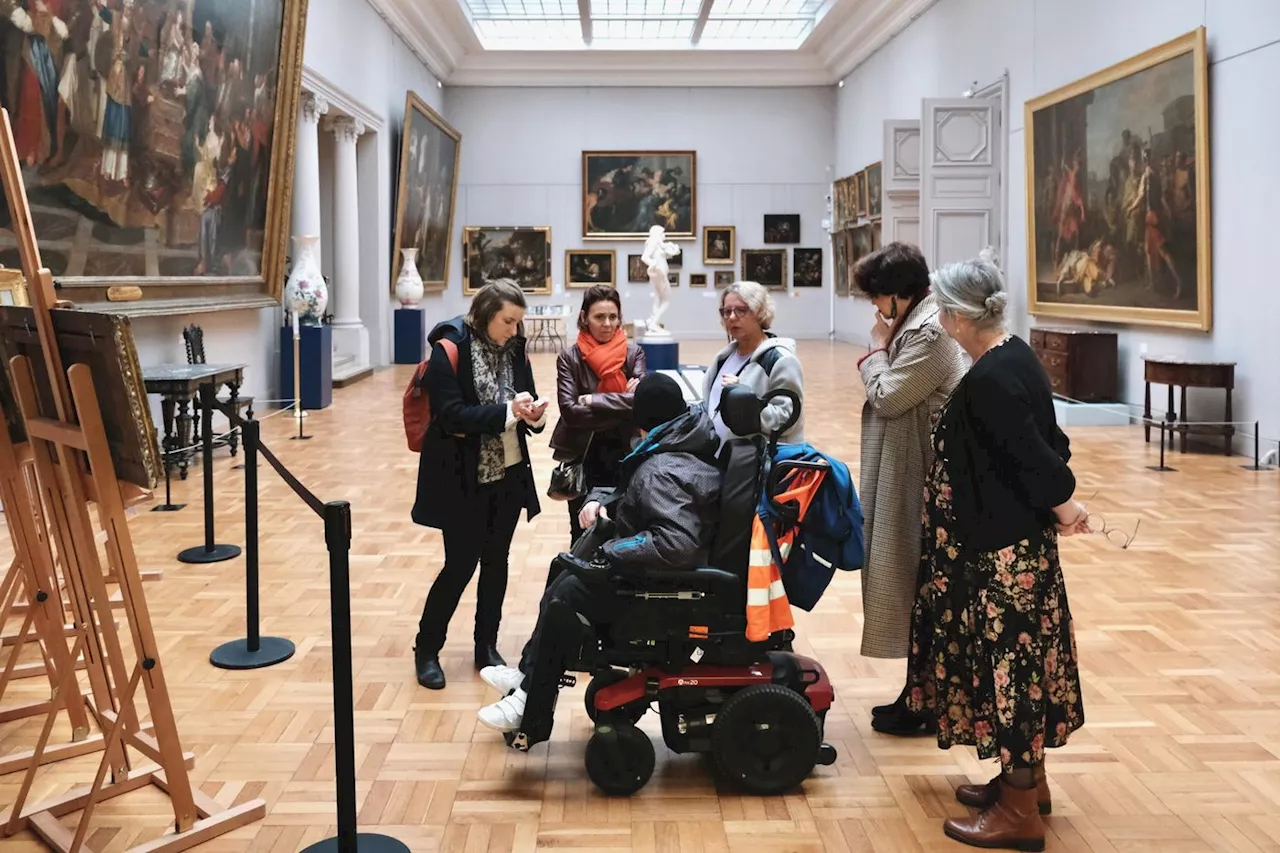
[409, 282]
[305, 293]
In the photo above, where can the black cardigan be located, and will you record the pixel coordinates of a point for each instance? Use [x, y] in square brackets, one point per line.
[1006, 457]
[449, 462]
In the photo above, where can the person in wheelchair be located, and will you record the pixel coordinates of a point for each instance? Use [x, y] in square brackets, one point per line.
[663, 516]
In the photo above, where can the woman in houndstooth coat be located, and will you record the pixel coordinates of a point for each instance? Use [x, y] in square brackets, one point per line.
[911, 370]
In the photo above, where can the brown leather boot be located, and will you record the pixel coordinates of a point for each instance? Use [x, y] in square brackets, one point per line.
[1013, 822]
[985, 796]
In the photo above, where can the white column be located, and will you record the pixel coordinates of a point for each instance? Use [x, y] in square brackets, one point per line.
[350, 338]
[306, 169]
[346, 222]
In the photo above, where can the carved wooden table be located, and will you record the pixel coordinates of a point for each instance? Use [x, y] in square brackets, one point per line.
[176, 385]
[1189, 374]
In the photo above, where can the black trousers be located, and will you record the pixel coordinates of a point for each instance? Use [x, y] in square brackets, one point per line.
[598, 605]
[480, 532]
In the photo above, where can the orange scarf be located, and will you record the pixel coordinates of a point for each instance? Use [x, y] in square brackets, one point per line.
[606, 360]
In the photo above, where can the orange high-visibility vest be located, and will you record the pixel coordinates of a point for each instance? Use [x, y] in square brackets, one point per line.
[768, 610]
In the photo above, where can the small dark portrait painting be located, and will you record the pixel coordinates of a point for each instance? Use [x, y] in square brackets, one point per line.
[782, 228]
[807, 267]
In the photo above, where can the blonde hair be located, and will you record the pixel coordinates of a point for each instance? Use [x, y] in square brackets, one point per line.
[756, 296]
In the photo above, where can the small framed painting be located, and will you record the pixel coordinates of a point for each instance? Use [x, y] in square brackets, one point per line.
[587, 267]
[637, 272]
[723, 278]
[719, 245]
[697, 279]
[522, 254]
[874, 190]
[782, 228]
[863, 200]
[673, 279]
[806, 267]
[765, 266]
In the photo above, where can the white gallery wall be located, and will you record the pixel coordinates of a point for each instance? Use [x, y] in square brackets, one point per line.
[1045, 44]
[375, 76]
[759, 151]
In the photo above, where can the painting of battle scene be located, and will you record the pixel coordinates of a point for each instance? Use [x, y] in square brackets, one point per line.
[625, 193]
[427, 191]
[146, 131]
[1119, 184]
[520, 254]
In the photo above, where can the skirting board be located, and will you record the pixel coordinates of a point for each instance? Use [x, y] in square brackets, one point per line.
[1091, 414]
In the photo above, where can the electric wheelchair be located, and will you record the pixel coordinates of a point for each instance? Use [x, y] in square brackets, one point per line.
[758, 709]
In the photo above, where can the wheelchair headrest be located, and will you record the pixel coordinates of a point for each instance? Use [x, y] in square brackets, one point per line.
[740, 409]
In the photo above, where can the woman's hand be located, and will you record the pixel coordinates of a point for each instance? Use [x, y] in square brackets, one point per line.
[534, 411]
[1072, 518]
[584, 400]
[881, 333]
[590, 512]
[521, 404]
[728, 380]
[632, 384]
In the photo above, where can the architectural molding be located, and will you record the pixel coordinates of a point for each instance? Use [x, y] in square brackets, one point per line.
[426, 33]
[320, 87]
[345, 127]
[862, 36]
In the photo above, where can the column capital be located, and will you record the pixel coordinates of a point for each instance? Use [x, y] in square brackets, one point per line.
[345, 128]
[313, 106]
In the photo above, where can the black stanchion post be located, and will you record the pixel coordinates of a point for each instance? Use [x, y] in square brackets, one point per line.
[1257, 452]
[1162, 467]
[209, 552]
[254, 651]
[337, 538]
[168, 505]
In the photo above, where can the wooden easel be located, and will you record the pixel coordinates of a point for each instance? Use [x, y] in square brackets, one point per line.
[65, 446]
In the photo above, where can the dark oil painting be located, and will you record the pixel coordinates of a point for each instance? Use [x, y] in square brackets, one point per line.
[625, 193]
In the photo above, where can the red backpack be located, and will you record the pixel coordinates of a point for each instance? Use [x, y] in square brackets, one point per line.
[417, 402]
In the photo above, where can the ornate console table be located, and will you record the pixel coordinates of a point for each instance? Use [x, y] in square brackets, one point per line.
[1177, 372]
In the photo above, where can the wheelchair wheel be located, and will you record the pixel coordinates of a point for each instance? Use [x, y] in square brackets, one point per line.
[619, 759]
[607, 678]
[766, 739]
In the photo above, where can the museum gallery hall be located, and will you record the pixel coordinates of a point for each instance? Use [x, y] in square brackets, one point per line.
[670, 426]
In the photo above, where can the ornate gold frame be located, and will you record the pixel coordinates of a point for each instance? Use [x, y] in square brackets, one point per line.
[613, 267]
[786, 268]
[878, 167]
[14, 287]
[691, 234]
[467, 289]
[168, 295]
[1193, 42]
[733, 245]
[412, 104]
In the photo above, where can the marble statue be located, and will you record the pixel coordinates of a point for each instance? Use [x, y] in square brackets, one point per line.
[656, 252]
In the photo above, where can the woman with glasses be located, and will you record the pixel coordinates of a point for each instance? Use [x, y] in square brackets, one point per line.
[910, 369]
[595, 381]
[757, 359]
[474, 476]
[993, 655]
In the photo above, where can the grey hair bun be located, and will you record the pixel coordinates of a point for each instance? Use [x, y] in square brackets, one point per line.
[996, 302]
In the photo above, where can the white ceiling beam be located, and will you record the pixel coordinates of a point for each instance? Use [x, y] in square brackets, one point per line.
[584, 14]
[854, 44]
[701, 24]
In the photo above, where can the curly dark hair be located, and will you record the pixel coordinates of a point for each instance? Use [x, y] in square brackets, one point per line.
[898, 269]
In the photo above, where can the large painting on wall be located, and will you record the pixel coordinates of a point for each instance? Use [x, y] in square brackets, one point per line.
[156, 139]
[520, 254]
[625, 193]
[1118, 192]
[426, 193]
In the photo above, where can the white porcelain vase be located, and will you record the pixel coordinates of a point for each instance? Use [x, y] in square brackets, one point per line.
[305, 293]
[409, 282]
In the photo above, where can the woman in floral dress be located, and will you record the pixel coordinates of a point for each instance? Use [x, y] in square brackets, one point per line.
[993, 656]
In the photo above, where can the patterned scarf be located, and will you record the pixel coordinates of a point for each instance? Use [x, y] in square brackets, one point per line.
[495, 383]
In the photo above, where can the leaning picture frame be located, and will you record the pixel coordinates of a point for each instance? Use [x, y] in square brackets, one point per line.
[426, 193]
[13, 288]
[625, 193]
[174, 201]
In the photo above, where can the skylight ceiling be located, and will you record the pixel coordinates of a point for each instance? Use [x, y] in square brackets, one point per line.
[643, 24]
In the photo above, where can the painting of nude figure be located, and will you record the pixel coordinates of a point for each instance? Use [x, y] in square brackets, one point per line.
[426, 193]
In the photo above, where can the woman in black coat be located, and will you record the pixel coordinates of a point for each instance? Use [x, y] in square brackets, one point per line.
[474, 476]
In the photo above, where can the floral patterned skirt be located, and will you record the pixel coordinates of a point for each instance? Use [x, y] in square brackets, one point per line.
[993, 653]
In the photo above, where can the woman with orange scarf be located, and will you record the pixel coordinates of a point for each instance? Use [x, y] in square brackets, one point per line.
[594, 382]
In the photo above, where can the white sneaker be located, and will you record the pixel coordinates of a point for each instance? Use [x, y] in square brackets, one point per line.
[504, 679]
[506, 714]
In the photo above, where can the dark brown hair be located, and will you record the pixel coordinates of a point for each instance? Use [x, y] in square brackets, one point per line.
[898, 269]
[489, 300]
[598, 293]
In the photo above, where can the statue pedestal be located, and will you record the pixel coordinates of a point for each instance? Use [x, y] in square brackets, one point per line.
[661, 352]
[410, 335]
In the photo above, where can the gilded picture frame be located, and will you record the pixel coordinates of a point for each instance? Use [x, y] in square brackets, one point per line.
[426, 193]
[875, 189]
[13, 288]
[625, 193]
[723, 278]
[864, 201]
[765, 266]
[585, 268]
[1118, 192]
[521, 253]
[719, 245]
[151, 229]
[697, 279]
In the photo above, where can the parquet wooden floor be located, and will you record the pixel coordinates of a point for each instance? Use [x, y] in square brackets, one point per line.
[1180, 638]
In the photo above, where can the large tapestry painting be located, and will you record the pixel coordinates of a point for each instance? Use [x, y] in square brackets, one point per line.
[625, 193]
[429, 153]
[156, 140]
[1118, 193]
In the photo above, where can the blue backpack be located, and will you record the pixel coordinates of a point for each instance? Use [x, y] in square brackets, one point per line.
[830, 535]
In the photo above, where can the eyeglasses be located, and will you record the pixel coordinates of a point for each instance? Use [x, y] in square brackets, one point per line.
[730, 313]
[1114, 534]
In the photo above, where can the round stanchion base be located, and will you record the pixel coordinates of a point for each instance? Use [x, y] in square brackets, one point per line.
[199, 554]
[299, 438]
[1160, 468]
[167, 507]
[366, 842]
[236, 654]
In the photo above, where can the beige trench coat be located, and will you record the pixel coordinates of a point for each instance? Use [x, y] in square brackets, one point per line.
[905, 389]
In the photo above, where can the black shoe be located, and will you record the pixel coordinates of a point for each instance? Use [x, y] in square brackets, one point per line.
[430, 675]
[903, 723]
[894, 708]
[487, 655]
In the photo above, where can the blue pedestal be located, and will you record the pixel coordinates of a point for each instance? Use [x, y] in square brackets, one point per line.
[661, 355]
[410, 335]
[316, 356]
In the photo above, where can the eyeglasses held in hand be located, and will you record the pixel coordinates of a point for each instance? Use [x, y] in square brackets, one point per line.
[1114, 534]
